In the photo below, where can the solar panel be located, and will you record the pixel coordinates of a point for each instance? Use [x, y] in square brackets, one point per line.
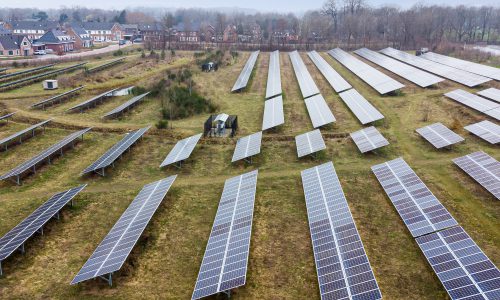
[56, 98]
[306, 83]
[7, 116]
[491, 93]
[17, 236]
[115, 152]
[369, 139]
[382, 83]
[343, 268]
[30, 165]
[417, 76]
[92, 102]
[461, 266]
[336, 81]
[22, 72]
[479, 69]
[114, 249]
[486, 130]
[318, 110]
[483, 168]
[273, 113]
[460, 76]
[439, 135]
[480, 104]
[309, 143]
[273, 87]
[420, 210]
[125, 106]
[18, 136]
[247, 146]
[360, 107]
[224, 265]
[242, 80]
[105, 65]
[181, 151]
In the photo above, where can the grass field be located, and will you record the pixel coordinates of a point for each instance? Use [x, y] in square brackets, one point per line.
[165, 263]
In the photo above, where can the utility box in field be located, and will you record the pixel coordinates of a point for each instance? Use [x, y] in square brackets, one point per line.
[50, 84]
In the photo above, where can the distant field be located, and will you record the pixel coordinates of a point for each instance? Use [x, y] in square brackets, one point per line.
[165, 263]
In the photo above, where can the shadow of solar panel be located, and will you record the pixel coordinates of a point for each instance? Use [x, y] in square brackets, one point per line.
[18, 136]
[482, 168]
[475, 102]
[343, 268]
[125, 106]
[360, 107]
[439, 135]
[491, 93]
[247, 146]
[273, 87]
[471, 67]
[114, 249]
[242, 80]
[225, 262]
[182, 150]
[318, 110]
[486, 130]
[334, 79]
[309, 143]
[306, 83]
[92, 102]
[420, 210]
[368, 139]
[17, 236]
[461, 266]
[273, 113]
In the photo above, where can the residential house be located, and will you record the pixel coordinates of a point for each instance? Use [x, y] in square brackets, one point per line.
[188, 32]
[15, 45]
[57, 41]
[103, 31]
[33, 29]
[4, 30]
[153, 35]
[207, 33]
[285, 37]
[230, 34]
[130, 31]
[79, 35]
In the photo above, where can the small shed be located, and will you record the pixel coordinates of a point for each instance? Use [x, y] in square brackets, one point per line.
[50, 84]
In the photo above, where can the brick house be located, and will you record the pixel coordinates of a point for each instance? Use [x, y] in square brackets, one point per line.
[58, 41]
[33, 29]
[103, 31]
[153, 35]
[79, 35]
[207, 33]
[187, 32]
[15, 45]
[230, 34]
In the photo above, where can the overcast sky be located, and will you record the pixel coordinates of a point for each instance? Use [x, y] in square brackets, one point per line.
[263, 5]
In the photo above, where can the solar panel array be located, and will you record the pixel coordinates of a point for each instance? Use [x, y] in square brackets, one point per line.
[336, 81]
[480, 104]
[31, 163]
[242, 80]
[461, 266]
[439, 135]
[225, 261]
[491, 93]
[360, 107]
[420, 210]
[319, 112]
[309, 143]
[273, 113]
[247, 146]
[17, 236]
[460, 76]
[125, 106]
[479, 69]
[486, 130]
[369, 139]
[182, 150]
[7, 116]
[273, 87]
[483, 168]
[343, 268]
[116, 151]
[55, 98]
[18, 136]
[306, 83]
[417, 76]
[114, 249]
[92, 101]
[105, 65]
[28, 71]
[382, 83]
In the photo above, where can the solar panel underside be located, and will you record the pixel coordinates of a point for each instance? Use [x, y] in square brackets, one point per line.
[336, 81]
[491, 93]
[479, 69]
[273, 87]
[420, 210]
[369, 139]
[486, 130]
[18, 235]
[306, 83]
[360, 107]
[460, 76]
[114, 249]
[120, 109]
[439, 135]
[480, 104]
[483, 168]
[382, 83]
[91, 102]
[19, 134]
[309, 143]
[273, 113]
[114, 152]
[247, 146]
[417, 76]
[225, 262]
[242, 80]
[182, 150]
[461, 266]
[318, 110]
[343, 268]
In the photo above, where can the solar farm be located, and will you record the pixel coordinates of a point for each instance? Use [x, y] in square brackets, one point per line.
[359, 174]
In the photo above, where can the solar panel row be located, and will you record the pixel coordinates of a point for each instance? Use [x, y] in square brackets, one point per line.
[273, 113]
[479, 69]
[181, 151]
[92, 102]
[369, 139]
[105, 65]
[56, 98]
[7, 116]
[439, 135]
[483, 168]
[306, 83]
[486, 130]
[491, 93]
[247, 146]
[242, 80]
[361, 108]
[28, 71]
[125, 106]
[319, 112]
[18, 136]
[480, 104]
[309, 143]
[273, 87]
[336, 81]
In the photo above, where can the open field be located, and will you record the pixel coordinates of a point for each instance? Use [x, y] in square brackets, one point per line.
[165, 263]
